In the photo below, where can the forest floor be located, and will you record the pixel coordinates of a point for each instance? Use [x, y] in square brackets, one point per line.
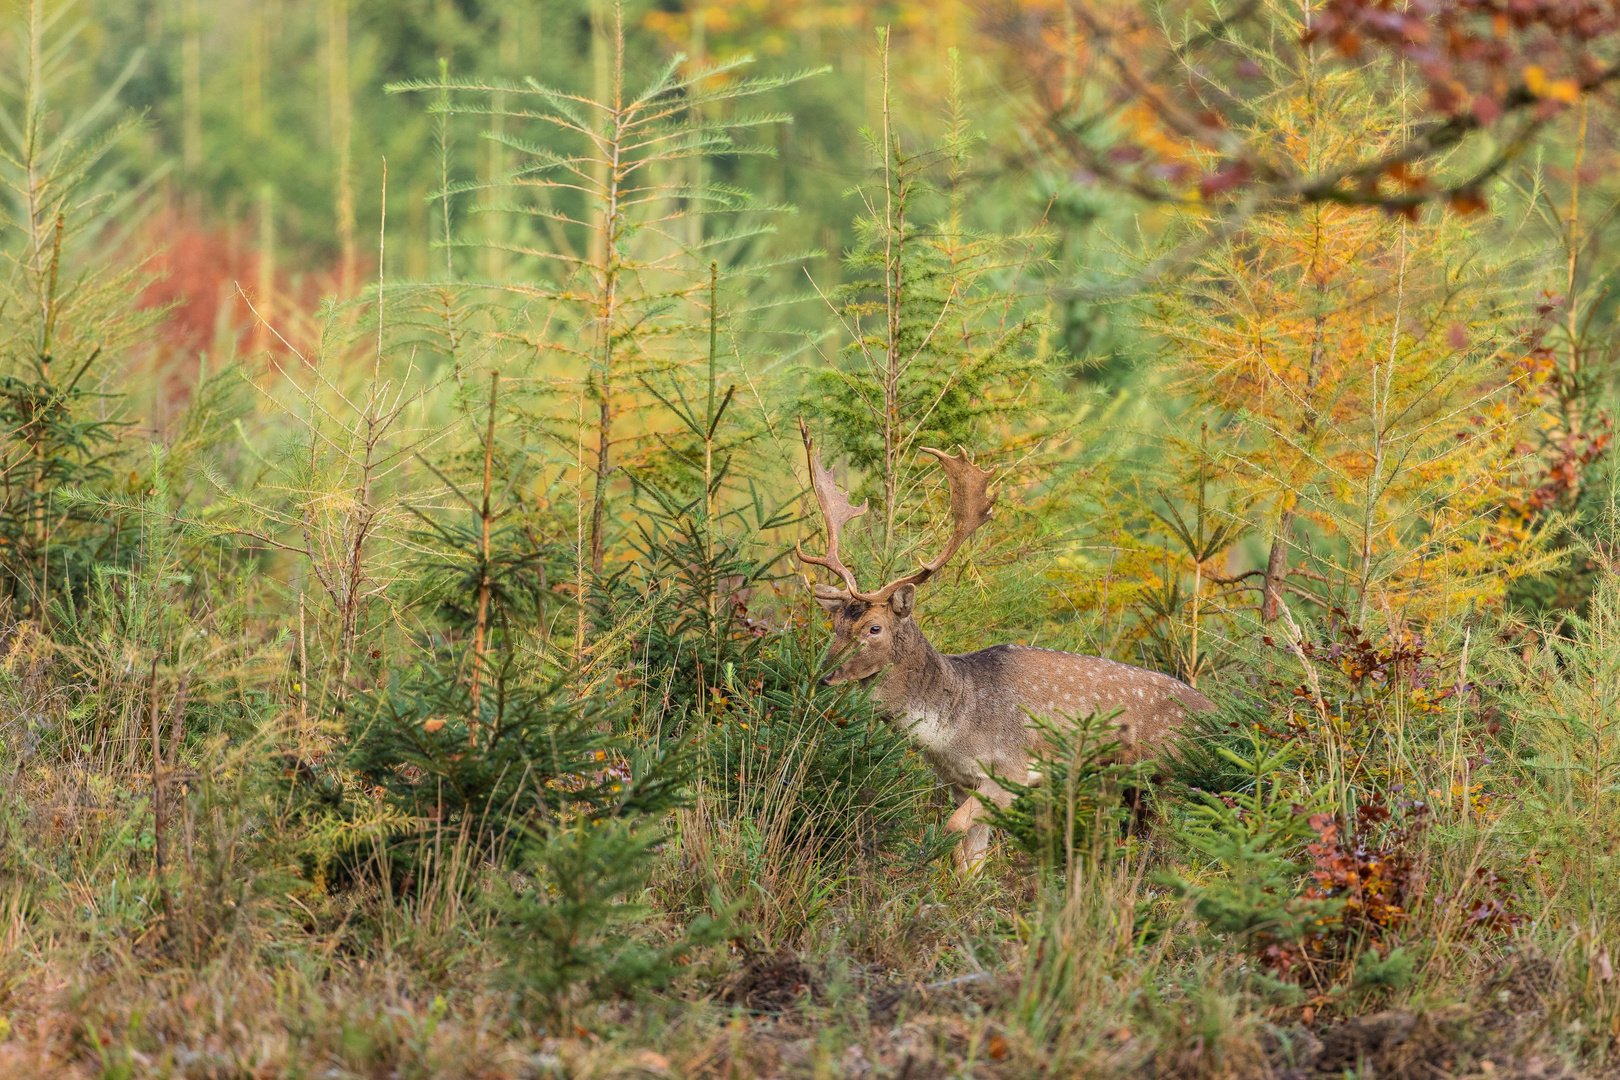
[333, 990]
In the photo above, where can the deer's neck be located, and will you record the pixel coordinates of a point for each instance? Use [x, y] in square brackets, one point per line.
[922, 690]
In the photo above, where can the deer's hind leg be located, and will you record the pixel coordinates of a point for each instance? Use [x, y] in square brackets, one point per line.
[971, 852]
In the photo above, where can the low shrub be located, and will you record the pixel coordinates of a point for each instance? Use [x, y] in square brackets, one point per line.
[1075, 809]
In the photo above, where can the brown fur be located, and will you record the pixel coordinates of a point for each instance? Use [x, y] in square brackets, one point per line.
[968, 712]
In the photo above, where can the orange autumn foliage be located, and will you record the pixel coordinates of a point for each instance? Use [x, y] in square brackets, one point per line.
[1368, 375]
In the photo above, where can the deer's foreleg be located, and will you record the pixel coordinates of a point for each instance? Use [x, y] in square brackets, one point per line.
[970, 853]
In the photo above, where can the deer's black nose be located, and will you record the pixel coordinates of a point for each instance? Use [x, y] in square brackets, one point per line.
[825, 680]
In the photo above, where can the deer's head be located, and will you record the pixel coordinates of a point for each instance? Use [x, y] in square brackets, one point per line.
[874, 631]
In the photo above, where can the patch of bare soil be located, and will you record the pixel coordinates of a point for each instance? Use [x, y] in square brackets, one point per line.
[771, 982]
[951, 1028]
[1492, 1036]
[885, 1001]
[1396, 1044]
[1524, 987]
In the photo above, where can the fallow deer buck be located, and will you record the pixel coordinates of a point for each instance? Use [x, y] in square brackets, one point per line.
[968, 712]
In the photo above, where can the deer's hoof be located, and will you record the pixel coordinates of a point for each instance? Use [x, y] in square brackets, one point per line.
[969, 863]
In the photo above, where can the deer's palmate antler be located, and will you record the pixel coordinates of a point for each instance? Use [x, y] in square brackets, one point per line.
[971, 507]
[835, 514]
[970, 712]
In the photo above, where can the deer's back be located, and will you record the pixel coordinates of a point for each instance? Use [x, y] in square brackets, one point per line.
[1059, 685]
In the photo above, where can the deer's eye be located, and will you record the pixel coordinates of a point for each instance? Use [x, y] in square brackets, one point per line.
[876, 629]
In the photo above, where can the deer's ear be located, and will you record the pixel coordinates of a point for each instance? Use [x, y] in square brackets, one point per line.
[904, 600]
[829, 604]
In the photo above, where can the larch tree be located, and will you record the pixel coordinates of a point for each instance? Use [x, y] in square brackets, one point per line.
[1367, 374]
[613, 242]
[939, 343]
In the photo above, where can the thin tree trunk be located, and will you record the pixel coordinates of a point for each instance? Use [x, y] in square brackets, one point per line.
[483, 573]
[1375, 481]
[609, 72]
[709, 422]
[364, 520]
[38, 432]
[894, 272]
[253, 75]
[341, 109]
[191, 88]
[303, 668]
[159, 816]
[1276, 568]
[604, 467]
[1277, 559]
[1198, 589]
[177, 724]
[266, 300]
[601, 87]
[579, 529]
[1569, 388]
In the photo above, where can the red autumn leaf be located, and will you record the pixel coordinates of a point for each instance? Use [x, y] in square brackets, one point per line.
[1223, 179]
[1402, 174]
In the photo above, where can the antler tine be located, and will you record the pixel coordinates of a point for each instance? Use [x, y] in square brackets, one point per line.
[971, 507]
[836, 513]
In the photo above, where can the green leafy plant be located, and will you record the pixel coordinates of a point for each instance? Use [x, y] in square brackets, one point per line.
[940, 348]
[523, 753]
[748, 689]
[1207, 754]
[67, 317]
[629, 222]
[1173, 612]
[1076, 809]
[1255, 839]
[813, 761]
[576, 934]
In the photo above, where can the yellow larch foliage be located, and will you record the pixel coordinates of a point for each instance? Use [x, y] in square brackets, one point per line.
[1367, 373]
